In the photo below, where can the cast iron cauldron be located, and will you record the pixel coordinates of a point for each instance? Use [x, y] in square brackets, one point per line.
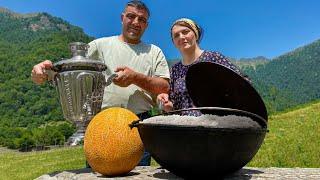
[198, 151]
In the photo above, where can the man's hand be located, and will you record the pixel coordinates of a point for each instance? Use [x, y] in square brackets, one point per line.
[126, 76]
[38, 75]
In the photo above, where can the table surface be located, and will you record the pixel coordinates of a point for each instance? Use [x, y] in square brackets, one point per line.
[153, 172]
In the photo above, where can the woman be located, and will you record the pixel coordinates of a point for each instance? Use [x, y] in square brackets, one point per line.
[186, 35]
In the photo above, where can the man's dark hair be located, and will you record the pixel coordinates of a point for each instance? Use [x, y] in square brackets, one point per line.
[138, 4]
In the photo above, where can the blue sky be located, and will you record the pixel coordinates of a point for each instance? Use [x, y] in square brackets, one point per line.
[236, 28]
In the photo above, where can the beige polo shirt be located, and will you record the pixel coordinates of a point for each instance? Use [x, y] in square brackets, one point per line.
[144, 58]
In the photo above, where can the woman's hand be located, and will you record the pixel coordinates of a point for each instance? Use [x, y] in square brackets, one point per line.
[165, 103]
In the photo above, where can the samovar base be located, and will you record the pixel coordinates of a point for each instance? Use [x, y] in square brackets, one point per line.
[76, 138]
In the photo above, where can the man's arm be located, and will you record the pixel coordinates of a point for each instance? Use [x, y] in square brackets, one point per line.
[155, 85]
[127, 76]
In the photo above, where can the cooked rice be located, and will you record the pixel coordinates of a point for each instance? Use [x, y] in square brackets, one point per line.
[206, 120]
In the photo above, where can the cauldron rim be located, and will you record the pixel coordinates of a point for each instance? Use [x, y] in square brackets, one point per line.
[226, 111]
[202, 128]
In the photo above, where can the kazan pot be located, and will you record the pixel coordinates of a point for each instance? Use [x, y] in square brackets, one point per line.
[200, 151]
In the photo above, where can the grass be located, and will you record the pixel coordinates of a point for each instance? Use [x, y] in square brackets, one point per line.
[18, 165]
[293, 141]
[30, 165]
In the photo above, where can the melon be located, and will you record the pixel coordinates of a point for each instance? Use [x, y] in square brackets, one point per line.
[111, 147]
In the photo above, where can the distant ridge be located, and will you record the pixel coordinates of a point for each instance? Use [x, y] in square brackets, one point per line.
[19, 28]
[250, 62]
[17, 15]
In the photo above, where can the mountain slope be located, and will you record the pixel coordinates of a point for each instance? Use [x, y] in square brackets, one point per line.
[290, 79]
[23, 28]
[25, 40]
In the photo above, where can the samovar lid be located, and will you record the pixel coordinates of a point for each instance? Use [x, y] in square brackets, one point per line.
[79, 61]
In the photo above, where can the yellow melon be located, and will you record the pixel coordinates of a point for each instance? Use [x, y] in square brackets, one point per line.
[111, 147]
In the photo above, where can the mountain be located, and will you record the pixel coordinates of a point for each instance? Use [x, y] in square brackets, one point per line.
[23, 28]
[26, 40]
[250, 62]
[242, 62]
[290, 79]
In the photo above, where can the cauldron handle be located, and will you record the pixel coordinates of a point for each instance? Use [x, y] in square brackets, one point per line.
[135, 123]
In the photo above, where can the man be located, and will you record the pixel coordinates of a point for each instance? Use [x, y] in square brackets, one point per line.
[142, 69]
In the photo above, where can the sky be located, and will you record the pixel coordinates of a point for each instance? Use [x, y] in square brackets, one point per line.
[235, 28]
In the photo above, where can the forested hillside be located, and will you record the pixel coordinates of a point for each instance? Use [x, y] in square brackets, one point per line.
[242, 62]
[290, 79]
[24, 41]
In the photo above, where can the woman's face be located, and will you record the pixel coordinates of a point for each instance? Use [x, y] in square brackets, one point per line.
[183, 37]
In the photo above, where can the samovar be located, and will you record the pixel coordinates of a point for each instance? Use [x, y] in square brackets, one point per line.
[80, 84]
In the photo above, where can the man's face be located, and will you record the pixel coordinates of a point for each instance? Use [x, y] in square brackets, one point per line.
[134, 23]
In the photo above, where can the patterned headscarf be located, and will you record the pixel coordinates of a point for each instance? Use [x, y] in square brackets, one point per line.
[191, 24]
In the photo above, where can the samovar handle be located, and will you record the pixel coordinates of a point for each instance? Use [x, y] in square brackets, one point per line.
[110, 79]
[51, 73]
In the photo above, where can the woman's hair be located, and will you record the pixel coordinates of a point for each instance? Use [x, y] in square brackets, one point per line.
[138, 4]
[198, 31]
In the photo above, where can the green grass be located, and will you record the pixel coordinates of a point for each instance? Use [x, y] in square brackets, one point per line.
[17, 165]
[300, 106]
[293, 141]
[30, 165]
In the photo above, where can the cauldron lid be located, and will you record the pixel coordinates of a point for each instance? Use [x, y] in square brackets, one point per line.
[213, 85]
